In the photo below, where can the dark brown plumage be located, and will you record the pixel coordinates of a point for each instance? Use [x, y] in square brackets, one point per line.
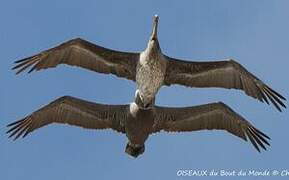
[81, 53]
[223, 74]
[139, 125]
[150, 69]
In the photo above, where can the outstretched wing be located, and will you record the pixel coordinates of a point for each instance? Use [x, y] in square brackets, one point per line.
[81, 53]
[208, 117]
[223, 74]
[72, 111]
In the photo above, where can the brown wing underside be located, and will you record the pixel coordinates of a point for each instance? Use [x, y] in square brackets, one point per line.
[72, 111]
[222, 74]
[81, 53]
[208, 117]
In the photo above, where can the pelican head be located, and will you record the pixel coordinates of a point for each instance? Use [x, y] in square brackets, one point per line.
[153, 44]
[154, 35]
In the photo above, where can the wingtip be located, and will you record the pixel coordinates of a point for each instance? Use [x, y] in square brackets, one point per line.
[271, 96]
[18, 72]
[282, 97]
[24, 59]
[31, 70]
[13, 123]
[19, 61]
[8, 131]
[10, 136]
[13, 68]
[277, 94]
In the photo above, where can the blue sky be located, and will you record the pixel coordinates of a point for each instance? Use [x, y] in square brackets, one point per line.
[255, 33]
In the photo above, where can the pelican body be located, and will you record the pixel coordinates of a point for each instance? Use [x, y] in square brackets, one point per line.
[150, 69]
[138, 127]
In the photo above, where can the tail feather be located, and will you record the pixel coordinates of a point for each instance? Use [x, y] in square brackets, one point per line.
[134, 150]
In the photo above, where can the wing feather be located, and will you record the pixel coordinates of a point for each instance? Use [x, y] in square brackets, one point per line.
[81, 53]
[222, 74]
[72, 111]
[209, 117]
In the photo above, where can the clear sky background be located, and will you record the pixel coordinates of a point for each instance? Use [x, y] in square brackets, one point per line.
[255, 33]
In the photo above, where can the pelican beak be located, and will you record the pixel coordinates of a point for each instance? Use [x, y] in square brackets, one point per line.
[155, 27]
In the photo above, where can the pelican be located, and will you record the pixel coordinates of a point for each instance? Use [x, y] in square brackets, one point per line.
[151, 69]
[138, 123]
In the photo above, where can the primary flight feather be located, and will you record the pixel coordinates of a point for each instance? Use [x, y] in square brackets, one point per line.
[151, 69]
[138, 123]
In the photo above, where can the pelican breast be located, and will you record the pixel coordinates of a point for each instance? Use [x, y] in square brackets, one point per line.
[150, 75]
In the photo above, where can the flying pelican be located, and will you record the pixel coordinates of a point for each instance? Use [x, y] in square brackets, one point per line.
[151, 69]
[138, 123]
